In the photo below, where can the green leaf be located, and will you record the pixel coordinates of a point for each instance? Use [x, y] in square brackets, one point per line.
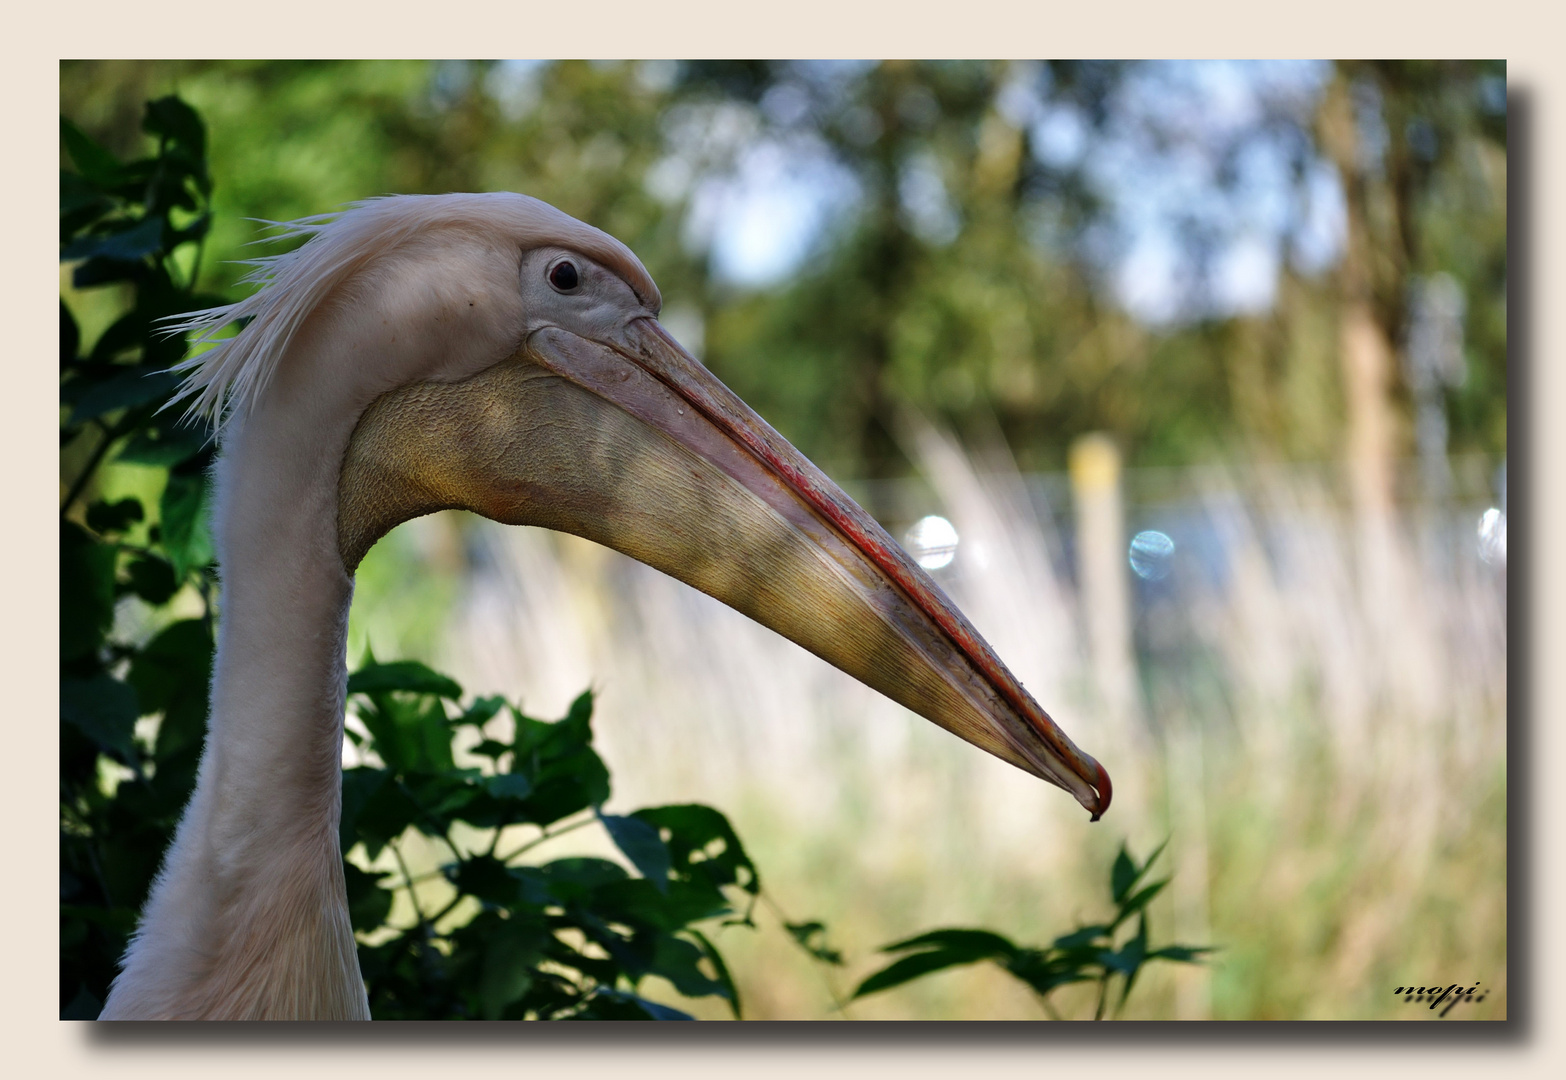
[359, 785]
[443, 794]
[494, 750]
[567, 775]
[171, 118]
[1139, 900]
[124, 335]
[487, 878]
[979, 944]
[1122, 875]
[184, 530]
[945, 948]
[1130, 959]
[511, 951]
[811, 937]
[409, 732]
[130, 243]
[164, 446]
[608, 1004]
[86, 591]
[1125, 873]
[1181, 954]
[129, 388]
[581, 709]
[70, 336]
[508, 786]
[679, 961]
[482, 711]
[642, 845]
[406, 675]
[1046, 976]
[96, 164]
[105, 710]
[574, 879]
[385, 814]
[84, 1006]
[81, 203]
[106, 272]
[114, 517]
[730, 991]
[909, 968]
[1086, 935]
[152, 579]
[171, 675]
[368, 903]
[702, 845]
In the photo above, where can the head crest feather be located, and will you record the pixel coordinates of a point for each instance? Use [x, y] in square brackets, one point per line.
[226, 376]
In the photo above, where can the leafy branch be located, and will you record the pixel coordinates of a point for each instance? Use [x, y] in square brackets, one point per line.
[1088, 954]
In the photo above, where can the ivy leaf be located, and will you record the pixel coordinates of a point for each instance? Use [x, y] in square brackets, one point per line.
[171, 675]
[171, 118]
[368, 903]
[508, 786]
[487, 878]
[409, 676]
[86, 591]
[152, 579]
[130, 387]
[128, 244]
[184, 529]
[642, 845]
[386, 813]
[409, 731]
[166, 447]
[729, 990]
[511, 952]
[359, 785]
[105, 710]
[566, 773]
[679, 961]
[609, 1004]
[702, 846]
[482, 711]
[97, 165]
[575, 879]
[114, 517]
[70, 336]
[811, 937]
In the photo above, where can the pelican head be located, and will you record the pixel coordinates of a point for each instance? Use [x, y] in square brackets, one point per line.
[491, 353]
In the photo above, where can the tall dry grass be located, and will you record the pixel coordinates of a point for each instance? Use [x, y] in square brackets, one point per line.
[1318, 723]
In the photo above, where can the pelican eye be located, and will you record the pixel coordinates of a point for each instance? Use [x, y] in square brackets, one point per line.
[563, 276]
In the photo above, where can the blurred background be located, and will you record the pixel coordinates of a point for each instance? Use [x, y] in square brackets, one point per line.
[1187, 380]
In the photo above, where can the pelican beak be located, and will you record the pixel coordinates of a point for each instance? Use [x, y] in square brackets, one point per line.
[631, 442]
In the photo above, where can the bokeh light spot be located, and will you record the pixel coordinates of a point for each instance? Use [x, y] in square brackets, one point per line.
[1151, 551]
[932, 542]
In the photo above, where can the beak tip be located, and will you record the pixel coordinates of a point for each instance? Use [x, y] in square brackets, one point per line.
[1105, 790]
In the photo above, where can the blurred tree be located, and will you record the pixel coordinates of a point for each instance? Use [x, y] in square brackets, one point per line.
[980, 228]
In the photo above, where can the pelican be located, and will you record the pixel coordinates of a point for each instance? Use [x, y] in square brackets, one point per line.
[491, 353]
